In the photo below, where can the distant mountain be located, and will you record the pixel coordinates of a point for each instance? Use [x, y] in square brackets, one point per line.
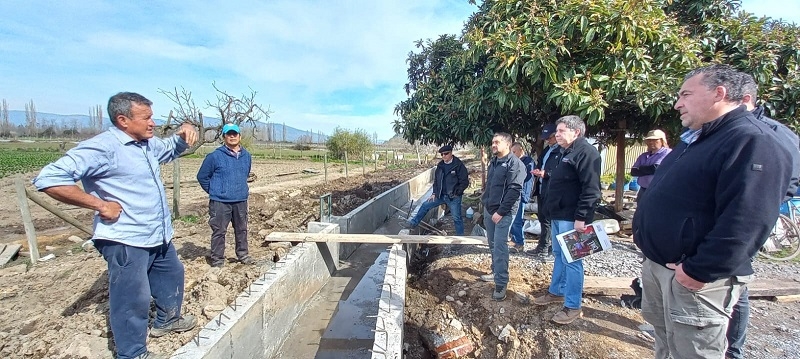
[17, 118]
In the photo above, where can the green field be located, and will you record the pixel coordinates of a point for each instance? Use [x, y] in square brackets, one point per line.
[21, 161]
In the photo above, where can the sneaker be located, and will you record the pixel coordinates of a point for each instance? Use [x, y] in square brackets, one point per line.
[488, 277]
[536, 251]
[247, 260]
[547, 257]
[218, 264]
[407, 225]
[567, 315]
[181, 325]
[150, 355]
[499, 293]
[547, 299]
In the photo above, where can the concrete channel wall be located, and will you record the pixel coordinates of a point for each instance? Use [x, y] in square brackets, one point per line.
[373, 213]
[259, 319]
[254, 325]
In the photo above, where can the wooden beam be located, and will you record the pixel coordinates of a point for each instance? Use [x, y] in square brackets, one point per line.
[27, 220]
[59, 213]
[372, 238]
[7, 252]
[616, 286]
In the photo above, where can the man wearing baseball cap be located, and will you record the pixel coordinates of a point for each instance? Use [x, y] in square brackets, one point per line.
[450, 181]
[223, 175]
[645, 166]
[544, 249]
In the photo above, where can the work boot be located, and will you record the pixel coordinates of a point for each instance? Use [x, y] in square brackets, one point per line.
[247, 260]
[499, 294]
[184, 323]
[151, 355]
[537, 251]
[218, 263]
[567, 315]
[488, 277]
[515, 248]
[547, 299]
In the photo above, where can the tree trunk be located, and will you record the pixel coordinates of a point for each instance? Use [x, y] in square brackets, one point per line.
[620, 180]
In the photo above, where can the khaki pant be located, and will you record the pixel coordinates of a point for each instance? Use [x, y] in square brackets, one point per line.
[688, 324]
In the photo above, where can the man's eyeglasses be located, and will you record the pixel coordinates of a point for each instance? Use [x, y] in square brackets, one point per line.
[446, 153]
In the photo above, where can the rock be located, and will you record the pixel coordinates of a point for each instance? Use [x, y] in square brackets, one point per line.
[459, 303]
[524, 298]
[211, 310]
[462, 293]
[86, 346]
[49, 248]
[96, 332]
[507, 334]
[75, 239]
[502, 310]
[277, 216]
[449, 298]
[263, 233]
[295, 193]
[283, 245]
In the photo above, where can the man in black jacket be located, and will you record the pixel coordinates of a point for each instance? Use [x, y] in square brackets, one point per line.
[710, 207]
[544, 248]
[570, 198]
[450, 181]
[517, 236]
[737, 326]
[500, 203]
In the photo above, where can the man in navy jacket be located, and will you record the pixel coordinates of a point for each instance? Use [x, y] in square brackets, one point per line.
[711, 205]
[223, 176]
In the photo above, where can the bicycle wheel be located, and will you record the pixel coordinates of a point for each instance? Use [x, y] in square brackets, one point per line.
[783, 243]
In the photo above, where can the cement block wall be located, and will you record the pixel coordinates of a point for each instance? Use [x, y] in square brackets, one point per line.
[258, 320]
[373, 213]
[391, 306]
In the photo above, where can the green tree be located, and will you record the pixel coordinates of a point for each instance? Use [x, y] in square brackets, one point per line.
[353, 142]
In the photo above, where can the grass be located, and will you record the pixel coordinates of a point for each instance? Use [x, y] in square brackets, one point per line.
[189, 219]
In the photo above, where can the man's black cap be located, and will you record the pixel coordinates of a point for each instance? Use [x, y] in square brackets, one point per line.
[446, 148]
[548, 130]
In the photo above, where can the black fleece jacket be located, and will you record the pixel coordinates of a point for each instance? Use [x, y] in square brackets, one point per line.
[503, 185]
[573, 183]
[712, 204]
[788, 139]
[455, 182]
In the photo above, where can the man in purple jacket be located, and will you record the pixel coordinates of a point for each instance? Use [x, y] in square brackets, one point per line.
[645, 166]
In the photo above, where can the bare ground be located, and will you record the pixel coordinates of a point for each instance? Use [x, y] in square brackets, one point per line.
[58, 308]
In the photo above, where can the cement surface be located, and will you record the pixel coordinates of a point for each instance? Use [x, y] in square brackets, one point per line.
[336, 323]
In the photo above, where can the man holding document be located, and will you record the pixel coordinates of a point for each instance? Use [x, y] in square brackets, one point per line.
[569, 201]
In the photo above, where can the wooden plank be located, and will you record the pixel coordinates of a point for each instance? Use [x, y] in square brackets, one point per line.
[7, 252]
[615, 286]
[27, 220]
[786, 298]
[372, 238]
[59, 213]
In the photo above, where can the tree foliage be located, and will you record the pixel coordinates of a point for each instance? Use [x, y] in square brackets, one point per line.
[354, 143]
[615, 63]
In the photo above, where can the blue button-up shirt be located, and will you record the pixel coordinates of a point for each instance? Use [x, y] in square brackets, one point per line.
[114, 167]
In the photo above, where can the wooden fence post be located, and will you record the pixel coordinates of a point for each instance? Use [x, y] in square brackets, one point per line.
[345, 165]
[325, 164]
[27, 221]
[363, 163]
[176, 188]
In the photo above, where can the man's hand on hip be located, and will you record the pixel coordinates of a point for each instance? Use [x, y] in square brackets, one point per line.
[496, 218]
[109, 211]
[432, 198]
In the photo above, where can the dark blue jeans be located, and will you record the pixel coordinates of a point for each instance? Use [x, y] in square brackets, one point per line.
[737, 326]
[516, 227]
[134, 275]
[453, 203]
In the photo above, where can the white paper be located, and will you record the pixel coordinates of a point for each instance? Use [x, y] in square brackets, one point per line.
[580, 245]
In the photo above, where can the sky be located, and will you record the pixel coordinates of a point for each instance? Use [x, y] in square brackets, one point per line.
[315, 64]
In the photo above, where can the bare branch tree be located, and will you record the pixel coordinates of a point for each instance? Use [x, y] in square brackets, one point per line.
[30, 118]
[5, 125]
[229, 108]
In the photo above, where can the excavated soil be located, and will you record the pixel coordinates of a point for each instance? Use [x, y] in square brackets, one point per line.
[58, 308]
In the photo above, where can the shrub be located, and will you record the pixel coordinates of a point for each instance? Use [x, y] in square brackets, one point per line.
[354, 143]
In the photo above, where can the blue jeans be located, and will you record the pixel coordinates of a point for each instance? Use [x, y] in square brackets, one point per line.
[567, 278]
[497, 235]
[220, 214]
[453, 203]
[516, 227]
[737, 326]
[134, 275]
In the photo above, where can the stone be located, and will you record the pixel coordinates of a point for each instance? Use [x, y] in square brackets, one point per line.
[75, 239]
[462, 293]
[449, 298]
[50, 248]
[283, 245]
[507, 334]
[277, 216]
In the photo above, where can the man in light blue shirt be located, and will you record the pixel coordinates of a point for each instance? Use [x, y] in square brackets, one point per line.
[121, 178]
